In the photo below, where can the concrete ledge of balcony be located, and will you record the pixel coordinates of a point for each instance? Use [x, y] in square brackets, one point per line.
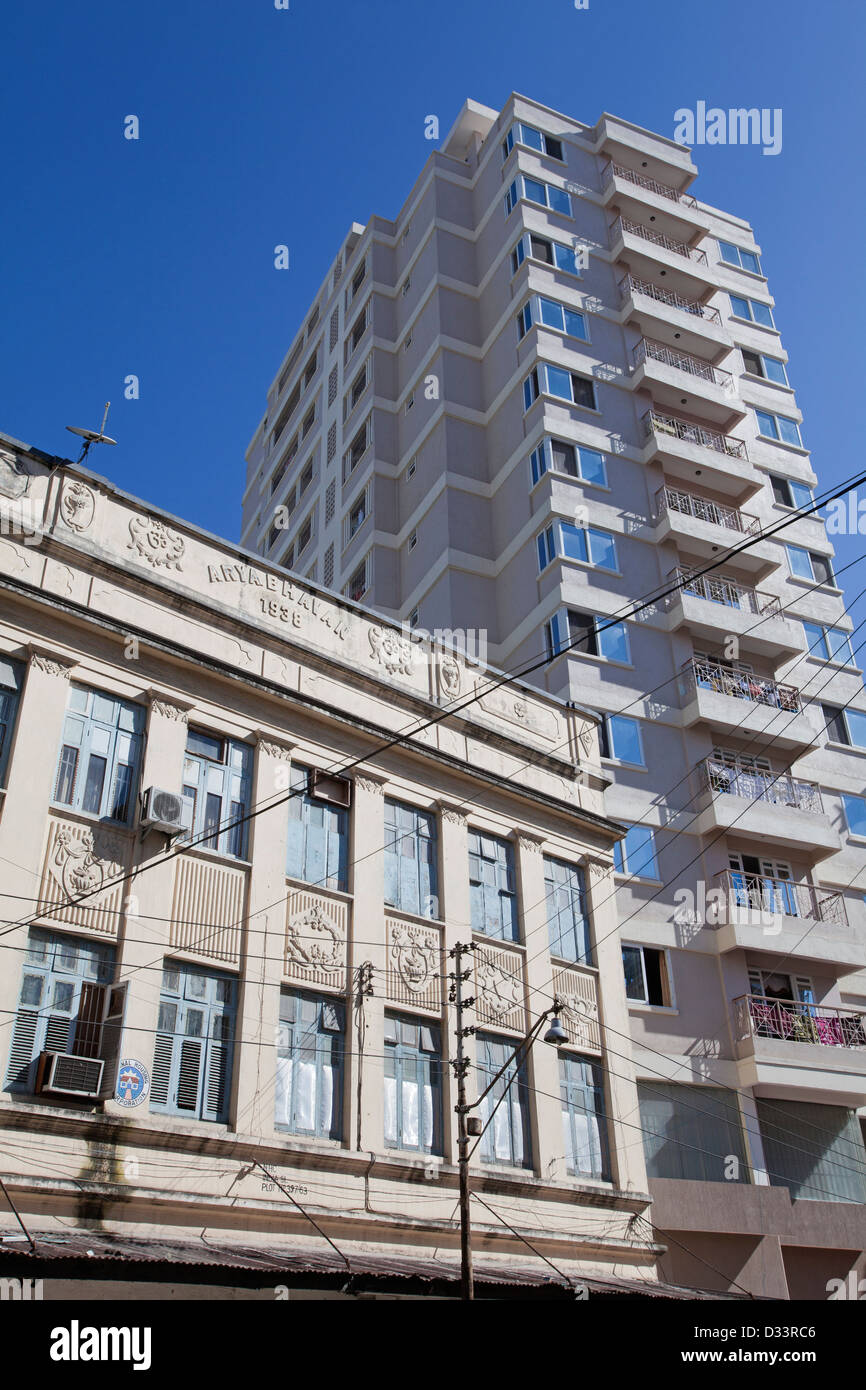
[772, 823]
[707, 540]
[716, 404]
[768, 634]
[803, 1071]
[800, 938]
[739, 1208]
[787, 729]
[684, 459]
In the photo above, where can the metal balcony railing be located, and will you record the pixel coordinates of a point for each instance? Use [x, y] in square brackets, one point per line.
[679, 248]
[664, 190]
[656, 424]
[683, 361]
[740, 685]
[776, 788]
[631, 284]
[721, 588]
[672, 499]
[761, 893]
[793, 1020]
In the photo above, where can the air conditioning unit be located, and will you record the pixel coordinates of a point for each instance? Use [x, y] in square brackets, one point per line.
[163, 811]
[337, 790]
[64, 1074]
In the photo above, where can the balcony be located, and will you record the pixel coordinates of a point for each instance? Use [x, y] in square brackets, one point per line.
[704, 527]
[663, 160]
[759, 912]
[650, 254]
[733, 699]
[640, 195]
[800, 1048]
[767, 807]
[688, 450]
[666, 372]
[673, 318]
[716, 606]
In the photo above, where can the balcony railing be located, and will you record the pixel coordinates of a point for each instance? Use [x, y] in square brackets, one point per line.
[720, 588]
[792, 1020]
[776, 788]
[672, 499]
[683, 361]
[664, 190]
[762, 894]
[657, 424]
[739, 684]
[679, 248]
[631, 284]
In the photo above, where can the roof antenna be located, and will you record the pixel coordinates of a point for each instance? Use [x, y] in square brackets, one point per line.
[92, 436]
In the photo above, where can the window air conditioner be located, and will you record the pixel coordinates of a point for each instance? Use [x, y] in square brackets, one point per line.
[337, 790]
[64, 1074]
[163, 811]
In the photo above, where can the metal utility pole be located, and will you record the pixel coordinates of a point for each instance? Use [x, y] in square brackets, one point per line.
[461, 1066]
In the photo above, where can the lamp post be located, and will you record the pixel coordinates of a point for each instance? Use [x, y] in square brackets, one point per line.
[470, 1126]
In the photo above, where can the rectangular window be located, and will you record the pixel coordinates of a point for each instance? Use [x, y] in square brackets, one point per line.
[306, 478]
[735, 255]
[567, 919]
[807, 564]
[790, 494]
[311, 1049]
[770, 368]
[646, 975]
[564, 385]
[855, 813]
[588, 634]
[11, 681]
[216, 792]
[583, 543]
[359, 385]
[506, 1139]
[551, 314]
[825, 1162]
[357, 449]
[620, 739]
[752, 310]
[411, 853]
[359, 583]
[534, 191]
[305, 535]
[318, 841]
[548, 252]
[100, 752]
[192, 1055]
[413, 1085]
[61, 1007]
[829, 644]
[778, 427]
[357, 516]
[359, 328]
[846, 725]
[534, 139]
[584, 1127]
[573, 459]
[493, 887]
[636, 854]
[692, 1132]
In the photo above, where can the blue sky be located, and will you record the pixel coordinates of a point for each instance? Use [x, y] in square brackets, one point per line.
[259, 127]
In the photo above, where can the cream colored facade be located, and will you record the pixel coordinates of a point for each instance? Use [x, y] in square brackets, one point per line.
[103, 593]
[553, 336]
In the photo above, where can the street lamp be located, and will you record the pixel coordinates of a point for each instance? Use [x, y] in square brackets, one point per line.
[472, 1126]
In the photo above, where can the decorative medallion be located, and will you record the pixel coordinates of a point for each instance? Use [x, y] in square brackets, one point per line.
[154, 541]
[586, 738]
[394, 653]
[449, 675]
[77, 505]
[414, 951]
[78, 866]
[314, 942]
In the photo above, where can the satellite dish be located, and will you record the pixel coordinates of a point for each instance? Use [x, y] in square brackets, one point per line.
[92, 436]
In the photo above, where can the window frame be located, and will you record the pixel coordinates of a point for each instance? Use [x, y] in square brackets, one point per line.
[486, 885]
[404, 889]
[517, 192]
[571, 885]
[11, 688]
[824, 630]
[763, 374]
[751, 316]
[219, 1019]
[811, 556]
[741, 251]
[560, 255]
[113, 741]
[429, 1067]
[586, 1088]
[557, 643]
[328, 1056]
[621, 854]
[510, 140]
[550, 543]
[541, 462]
[494, 1051]
[665, 976]
[778, 437]
[532, 316]
[328, 843]
[232, 840]
[611, 755]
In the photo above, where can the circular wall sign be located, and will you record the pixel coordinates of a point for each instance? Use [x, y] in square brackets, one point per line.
[133, 1083]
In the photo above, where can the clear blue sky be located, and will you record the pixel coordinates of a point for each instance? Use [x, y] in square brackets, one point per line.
[261, 126]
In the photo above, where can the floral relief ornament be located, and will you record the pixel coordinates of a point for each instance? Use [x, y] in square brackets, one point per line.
[314, 942]
[156, 543]
[413, 952]
[78, 865]
[500, 990]
[581, 1013]
[393, 652]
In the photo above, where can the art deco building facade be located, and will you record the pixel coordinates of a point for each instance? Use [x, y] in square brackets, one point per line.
[550, 389]
[243, 823]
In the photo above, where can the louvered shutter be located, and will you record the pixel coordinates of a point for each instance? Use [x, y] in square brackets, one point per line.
[112, 1037]
[21, 1051]
[57, 1033]
[189, 1074]
[160, 1079]
[217, 1073]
